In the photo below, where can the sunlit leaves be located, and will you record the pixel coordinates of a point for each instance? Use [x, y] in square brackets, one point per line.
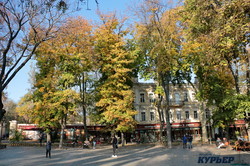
[116, 96]
[60, 62]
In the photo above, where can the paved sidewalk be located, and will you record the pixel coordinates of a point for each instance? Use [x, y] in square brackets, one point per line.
[136, 155]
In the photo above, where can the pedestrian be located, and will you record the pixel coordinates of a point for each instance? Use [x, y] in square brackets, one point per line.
[222, 143]
[41, 139]
[190, 140]
[48, 149]
[184, 141]
[115, 146]
[218, 141]
[94, 142]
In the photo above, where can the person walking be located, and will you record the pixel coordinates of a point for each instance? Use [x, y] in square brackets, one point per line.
[115, 146]
[94, 142]
[190, 140]
[48, 149]
[184, 141]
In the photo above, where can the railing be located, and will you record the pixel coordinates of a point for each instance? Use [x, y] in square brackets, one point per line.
[176, 103]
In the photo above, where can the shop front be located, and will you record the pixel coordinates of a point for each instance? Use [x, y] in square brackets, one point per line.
[188, 128]
[145, 133]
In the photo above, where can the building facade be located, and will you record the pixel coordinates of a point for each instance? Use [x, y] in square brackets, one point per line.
[184, 112]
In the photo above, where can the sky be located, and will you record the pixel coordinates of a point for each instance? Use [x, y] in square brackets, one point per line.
[20, 85]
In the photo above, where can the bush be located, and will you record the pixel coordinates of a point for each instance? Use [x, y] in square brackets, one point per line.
[16, 136]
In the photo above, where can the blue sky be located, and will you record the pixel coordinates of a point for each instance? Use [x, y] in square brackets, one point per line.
[19, 86]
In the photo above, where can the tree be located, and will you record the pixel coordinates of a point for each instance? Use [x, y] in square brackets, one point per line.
[115, 102]
[71, 57]
[24, 108]
[218, 29]
[25, 24]
[158, 35]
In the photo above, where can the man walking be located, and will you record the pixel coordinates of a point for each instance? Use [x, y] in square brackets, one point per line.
[48, 149]
[184, 141]
[190, 139]
[115, 146]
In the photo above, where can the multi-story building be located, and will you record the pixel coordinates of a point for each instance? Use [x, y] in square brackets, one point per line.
[184, 111]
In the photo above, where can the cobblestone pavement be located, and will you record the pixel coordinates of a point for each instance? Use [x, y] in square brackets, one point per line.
[133, 155]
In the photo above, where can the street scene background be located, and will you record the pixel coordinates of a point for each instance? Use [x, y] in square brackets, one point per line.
[130, 155]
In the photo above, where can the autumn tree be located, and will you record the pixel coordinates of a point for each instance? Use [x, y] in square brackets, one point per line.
[158, 35]
[24, 26]
[218, 29]
[115, 102]
[71, 52]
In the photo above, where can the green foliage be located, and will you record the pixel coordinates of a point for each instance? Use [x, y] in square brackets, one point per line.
[16, 136]
[220, 29]
[231, 108]
[116, 96]
[216, 40]
[159, 91]
[60, 62]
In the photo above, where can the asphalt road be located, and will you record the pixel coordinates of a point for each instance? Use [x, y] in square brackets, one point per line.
[133, 155]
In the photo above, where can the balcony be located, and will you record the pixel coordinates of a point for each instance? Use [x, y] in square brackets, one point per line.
[176, 104]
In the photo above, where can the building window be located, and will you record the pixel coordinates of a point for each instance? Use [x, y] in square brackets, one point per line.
[187, 114]
[151, 98]
[142, 98]
[207, 113]
[143, 116]
[195, 114]
[177, 98]
[178, 114]
[152, 116]
[185, 96]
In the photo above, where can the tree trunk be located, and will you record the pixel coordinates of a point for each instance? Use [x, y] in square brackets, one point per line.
[82, 93]
[2, 111]
[48, 137]
[248, 73]
[227, 132]
[203, 124]
[1, 131]
[235, 74]
[166, 87]
[160, 118]
[123, 140]
[63, 124]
